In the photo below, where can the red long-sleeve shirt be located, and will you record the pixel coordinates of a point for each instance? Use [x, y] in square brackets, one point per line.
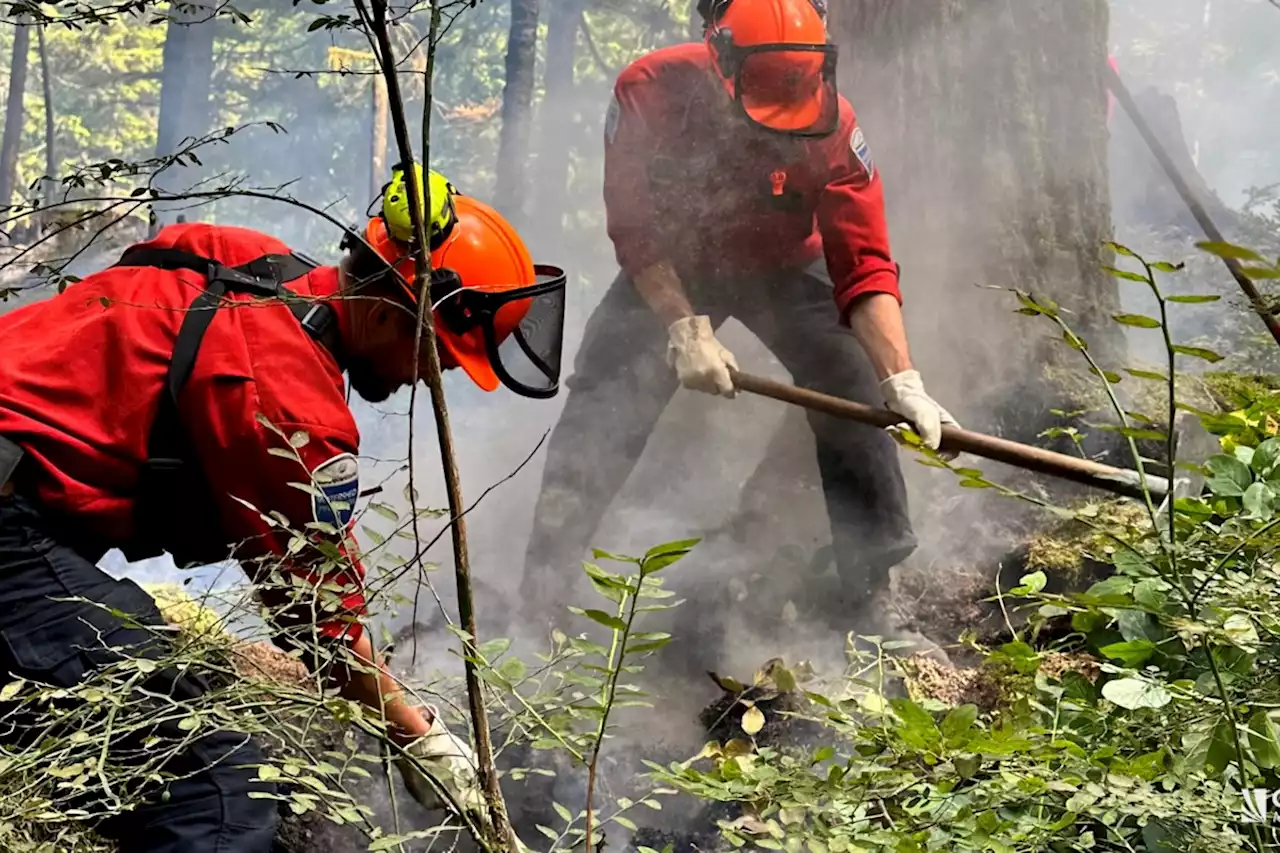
[81, 378]
[690, 182]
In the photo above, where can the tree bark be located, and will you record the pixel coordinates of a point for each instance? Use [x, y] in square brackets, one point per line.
[378, 172]
[987, 121]
[50, 150]
[517, 110]
[185, 84]
[15, 113]
[557, 115]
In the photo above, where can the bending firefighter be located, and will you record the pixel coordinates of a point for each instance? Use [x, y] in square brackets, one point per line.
[132, 410]
[738, 183]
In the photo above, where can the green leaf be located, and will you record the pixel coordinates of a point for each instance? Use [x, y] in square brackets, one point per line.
[1132, 653]
[491, 649]
[1229, 477]
[959, 720]
[1134, 693]
[1030, 584]
[565, 814]
[11, 690]
[384, 511]
[1265, 458]
[605, 619]
[681, 547]
[1109, 375]
[1198, 352]
[1258, 500]
[752, 721]
[1194, 300]
[1120, 249]
[1230, 250]
[1165, 266]
[1146, 374]
[1139, 321]
[1261, 272]
[1264, 741]
[513, 670]
[1126, 275]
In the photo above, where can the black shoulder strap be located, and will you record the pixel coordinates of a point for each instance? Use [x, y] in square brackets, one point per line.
[266, 276]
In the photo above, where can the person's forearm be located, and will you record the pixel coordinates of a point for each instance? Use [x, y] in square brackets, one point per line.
[662, 291]
[876, 321]
[376, 689]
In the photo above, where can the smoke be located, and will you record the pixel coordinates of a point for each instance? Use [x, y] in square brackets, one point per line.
[693, 476]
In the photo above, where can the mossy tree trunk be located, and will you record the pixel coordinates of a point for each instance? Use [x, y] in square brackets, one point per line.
[987, 120]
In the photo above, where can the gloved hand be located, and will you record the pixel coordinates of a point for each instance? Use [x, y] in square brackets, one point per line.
[904, 393]
[699, 359]
[450, 760]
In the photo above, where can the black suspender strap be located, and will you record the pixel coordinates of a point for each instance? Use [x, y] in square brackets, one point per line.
[167, 479]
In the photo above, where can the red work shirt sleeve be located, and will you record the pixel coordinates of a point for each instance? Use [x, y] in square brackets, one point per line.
[298, 469]
[629, 149]
[851, 219]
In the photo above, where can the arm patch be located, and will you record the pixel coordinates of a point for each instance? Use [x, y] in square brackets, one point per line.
[858, 144]
[611, 120]
[338, 481]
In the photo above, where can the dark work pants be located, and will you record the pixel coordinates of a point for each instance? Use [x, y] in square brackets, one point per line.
[622, 383]
[203, 806]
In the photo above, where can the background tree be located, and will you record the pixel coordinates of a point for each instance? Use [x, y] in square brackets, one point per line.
[560, 131]
[517, 109]
[998, 108]
[15, 112]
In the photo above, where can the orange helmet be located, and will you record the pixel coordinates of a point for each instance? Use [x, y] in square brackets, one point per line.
[497, 315]
[776, 62]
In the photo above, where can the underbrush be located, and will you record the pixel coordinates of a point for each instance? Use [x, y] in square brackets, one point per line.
[1137, 713]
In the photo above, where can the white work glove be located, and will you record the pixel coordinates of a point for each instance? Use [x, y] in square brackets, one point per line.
[700, 361]
[904, 393]
[450, 760]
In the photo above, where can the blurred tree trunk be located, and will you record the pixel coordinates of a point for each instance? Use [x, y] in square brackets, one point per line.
[988, 124]
[517, 109]
[378, 171]
[15, 113]
[50, 151]
[185, 83]
[558, 115]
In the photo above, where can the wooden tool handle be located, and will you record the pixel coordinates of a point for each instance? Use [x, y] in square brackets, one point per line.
[1120, 481]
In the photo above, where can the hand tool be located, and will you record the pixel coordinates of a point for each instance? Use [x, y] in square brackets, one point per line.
[1120, 481]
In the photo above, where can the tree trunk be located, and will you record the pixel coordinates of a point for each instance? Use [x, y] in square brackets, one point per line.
[50, 151]
[15, 114]
[987, 123]
[185, 83]
[378, 172]
[558, 115]
[517, 109]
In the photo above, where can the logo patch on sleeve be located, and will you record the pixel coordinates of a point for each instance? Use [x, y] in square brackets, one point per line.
[338, 482]
[863, 152]
[612, 119]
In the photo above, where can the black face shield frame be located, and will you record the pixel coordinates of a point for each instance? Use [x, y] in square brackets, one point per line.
[528, 361]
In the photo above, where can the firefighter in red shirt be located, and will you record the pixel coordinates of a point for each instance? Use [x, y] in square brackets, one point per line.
[738, 183]
[140, 409]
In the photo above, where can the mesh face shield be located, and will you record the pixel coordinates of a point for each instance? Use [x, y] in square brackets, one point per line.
[518, 333]
[783, 88]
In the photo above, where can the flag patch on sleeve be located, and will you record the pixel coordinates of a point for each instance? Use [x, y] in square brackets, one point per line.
[338, 485]
[858, 143]
[611, 120]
